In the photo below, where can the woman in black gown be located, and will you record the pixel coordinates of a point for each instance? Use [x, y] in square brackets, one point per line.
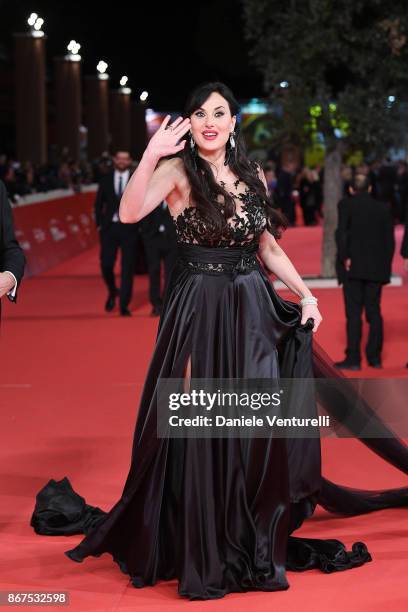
[218, 514]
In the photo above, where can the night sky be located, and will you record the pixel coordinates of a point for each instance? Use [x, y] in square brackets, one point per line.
[165, 49]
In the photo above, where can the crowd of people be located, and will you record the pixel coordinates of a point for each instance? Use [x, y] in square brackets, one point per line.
[25, 178]
[291, 185]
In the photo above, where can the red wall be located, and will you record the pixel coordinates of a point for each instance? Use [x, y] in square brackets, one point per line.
[52, 231]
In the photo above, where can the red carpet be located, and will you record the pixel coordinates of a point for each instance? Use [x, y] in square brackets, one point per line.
[70, 381]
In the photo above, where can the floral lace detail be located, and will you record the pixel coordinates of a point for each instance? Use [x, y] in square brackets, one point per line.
[242, 229]
[235, 183]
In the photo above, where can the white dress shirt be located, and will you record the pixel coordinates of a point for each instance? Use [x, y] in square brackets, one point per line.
[125, 178]
[12, 292]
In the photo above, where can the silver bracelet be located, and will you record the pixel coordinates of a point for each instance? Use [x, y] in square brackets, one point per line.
[309, 299]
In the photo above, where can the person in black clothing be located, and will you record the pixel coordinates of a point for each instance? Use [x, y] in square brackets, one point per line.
[365, 248]
[386, 182]
[309, 193]
[12, 259]
[159, 240]
[401, 190]
[283, 193]
[114, 234]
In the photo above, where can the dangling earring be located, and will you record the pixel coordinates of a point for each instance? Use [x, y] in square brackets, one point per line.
[230, 149]
[193, 151]
[192, 142]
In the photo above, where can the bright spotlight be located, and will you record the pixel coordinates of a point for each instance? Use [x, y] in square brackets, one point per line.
[35, 22]
[73, 48]
[32, 19]
[391, 99]
[284, 84]
[101, 66]
[144, 95]
[123, 88]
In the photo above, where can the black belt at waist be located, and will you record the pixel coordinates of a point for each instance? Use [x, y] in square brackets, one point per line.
[218, 260]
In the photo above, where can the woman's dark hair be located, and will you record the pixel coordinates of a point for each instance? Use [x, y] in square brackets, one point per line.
[204, 187]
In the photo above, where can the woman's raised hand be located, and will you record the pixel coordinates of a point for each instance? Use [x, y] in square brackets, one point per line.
[164, 141]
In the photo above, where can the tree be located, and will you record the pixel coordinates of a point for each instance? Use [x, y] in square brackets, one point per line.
[345, 67]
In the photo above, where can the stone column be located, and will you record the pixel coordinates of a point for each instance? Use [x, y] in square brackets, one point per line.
[139, 130]
[97, 115]
[119, 120]
[31, 119]
[68, 105]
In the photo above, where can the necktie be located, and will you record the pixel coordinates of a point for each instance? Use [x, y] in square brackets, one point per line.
[115, 217]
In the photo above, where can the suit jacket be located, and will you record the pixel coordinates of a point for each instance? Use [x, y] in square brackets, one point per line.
[365, 234]
[12, 257]
[151, 223]
[107, 202]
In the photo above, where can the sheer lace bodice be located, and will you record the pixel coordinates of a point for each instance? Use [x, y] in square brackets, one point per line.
[244, 227]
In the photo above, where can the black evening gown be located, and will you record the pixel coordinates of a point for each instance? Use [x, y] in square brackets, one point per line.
[218, 514]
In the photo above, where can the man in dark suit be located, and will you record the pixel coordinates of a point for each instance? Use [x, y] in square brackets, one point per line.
[365, 248]
[114, 234]
[12, 259]
[159, 240]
